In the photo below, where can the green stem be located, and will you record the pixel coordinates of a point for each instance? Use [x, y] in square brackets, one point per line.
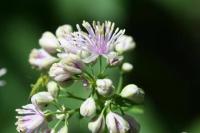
[120, 83]
[100, 65]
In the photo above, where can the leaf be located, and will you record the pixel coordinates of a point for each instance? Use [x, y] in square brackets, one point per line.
[136, 109]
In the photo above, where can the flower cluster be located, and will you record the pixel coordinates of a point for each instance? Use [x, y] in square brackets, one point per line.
[2, 72]
[84, 56]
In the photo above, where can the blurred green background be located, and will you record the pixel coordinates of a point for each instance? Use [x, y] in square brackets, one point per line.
[166, 60]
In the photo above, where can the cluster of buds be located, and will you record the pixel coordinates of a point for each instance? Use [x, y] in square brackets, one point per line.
[69, 57]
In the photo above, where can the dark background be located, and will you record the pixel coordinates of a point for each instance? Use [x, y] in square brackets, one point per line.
[166, 59]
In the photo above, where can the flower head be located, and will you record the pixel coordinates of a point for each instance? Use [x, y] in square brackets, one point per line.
[100, 39]
[41, 59]
[31, 119]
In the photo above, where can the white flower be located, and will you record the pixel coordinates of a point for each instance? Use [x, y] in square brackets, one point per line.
[52, 88]
[59, 73]
[88, 107]
[127, 67]
[63, 31]
[125, 43]
[104, 87]
[42, 98]
[41, 59]
[97, 125]
[116, 123]
[49, 42]
[2, 73]
[114, 59]
[133, 93]
[72, 63]
[31, 119]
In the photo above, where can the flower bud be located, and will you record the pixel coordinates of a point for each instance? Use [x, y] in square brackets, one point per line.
[125, 43]
[114, 59]
[88, 107]
[104, 87]
[134, 125]
[59, 73]
[73, 64]
[41, 59]
[127, 67]
[97, 125]
[64, 129]
[116, 123]
[53, 89]
[41, 99]
[63, 30]
[49, 42]
[133, 93]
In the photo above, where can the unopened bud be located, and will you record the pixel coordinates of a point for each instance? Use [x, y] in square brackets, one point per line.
[116, 123]
[59, 73]
[49, 42]
[42, 98]
[133, 93]
[63, 30]
[88, 107]
[125, 43]
[73, 64]
[41, 59]
[114, 59]
[127, 67]
[97, 125]
[104, 87]
[53, 88]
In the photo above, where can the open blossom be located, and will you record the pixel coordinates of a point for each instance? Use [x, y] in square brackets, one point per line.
[31, 119]
[41, 59]
[49, 42]
[2, 72]
[100, 39]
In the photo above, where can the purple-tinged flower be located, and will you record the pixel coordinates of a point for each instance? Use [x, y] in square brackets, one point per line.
[2, 73]
[99, 40]
[116, 123]
[31, 119]
[41, 59]
[59, 73]
[134, 125]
